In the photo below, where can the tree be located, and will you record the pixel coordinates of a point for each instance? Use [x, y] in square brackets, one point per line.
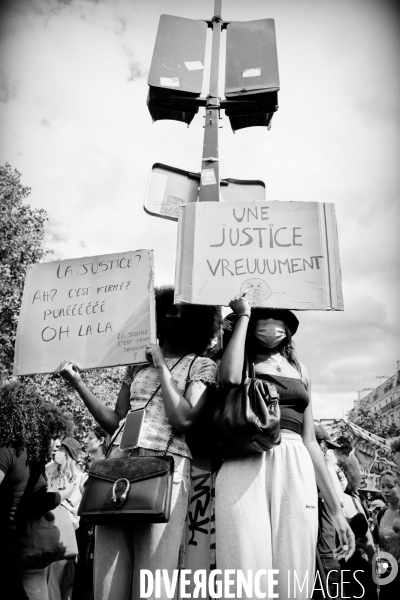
[21, 239]
[374, 423]
[104, 383]
[21, 244]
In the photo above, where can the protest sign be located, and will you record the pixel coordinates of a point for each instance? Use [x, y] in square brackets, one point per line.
[372, 452]
[97, 311]
[284, 254]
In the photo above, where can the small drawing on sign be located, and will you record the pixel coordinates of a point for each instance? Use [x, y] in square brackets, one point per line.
[208, 177]
[170, 206]
[194, 65]
[258, 291]
[169, 81]
[252, 72]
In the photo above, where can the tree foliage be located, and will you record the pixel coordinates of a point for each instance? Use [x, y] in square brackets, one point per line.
[21, 239]
[374, 423]
[104, 383]
[21, 244]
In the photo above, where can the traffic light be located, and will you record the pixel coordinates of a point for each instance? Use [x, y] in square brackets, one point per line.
[251, 73]
[177, 69]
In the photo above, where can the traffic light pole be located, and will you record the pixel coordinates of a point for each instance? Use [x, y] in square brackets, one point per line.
[210, 178]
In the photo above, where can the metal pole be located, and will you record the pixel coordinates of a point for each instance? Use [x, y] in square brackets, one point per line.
[209, 181]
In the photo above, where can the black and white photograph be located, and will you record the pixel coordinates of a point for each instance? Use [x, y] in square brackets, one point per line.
[199, 289]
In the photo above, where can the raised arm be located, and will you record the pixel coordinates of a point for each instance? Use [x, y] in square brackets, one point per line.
[107, 418]
[182, 411]
[346, 537]
[231, 367]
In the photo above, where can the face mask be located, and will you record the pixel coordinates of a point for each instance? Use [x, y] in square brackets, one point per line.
[270, 335]
[60, 457]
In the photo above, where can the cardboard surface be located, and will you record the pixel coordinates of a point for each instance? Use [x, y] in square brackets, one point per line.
[97, 311]
[372, 452]
[285, 254]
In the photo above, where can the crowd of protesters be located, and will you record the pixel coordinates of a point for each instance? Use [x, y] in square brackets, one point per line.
[297, 507]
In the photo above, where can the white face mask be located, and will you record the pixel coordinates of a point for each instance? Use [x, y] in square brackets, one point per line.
[270, 333]
[60, 457]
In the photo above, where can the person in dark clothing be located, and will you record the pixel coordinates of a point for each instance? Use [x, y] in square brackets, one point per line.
[28, 427]
[14, 474]
[327, 539]
[360, 564]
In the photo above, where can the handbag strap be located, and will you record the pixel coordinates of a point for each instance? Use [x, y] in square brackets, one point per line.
[355, 504]
[249, 371]
[248, 367]
[188, 375]
[171, 437]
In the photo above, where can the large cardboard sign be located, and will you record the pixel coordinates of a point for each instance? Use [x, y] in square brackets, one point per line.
[284, 254]
[97, 311]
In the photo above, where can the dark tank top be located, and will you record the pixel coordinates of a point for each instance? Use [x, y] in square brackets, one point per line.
[293, 400]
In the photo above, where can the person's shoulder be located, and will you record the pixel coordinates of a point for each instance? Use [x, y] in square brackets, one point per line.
[204, 360]
[7, 451]
[9, 457]
[305, 375]
[203, 369]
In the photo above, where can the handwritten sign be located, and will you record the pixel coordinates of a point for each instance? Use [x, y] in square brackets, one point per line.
[97, 311]
[284, 254]
[372, 453]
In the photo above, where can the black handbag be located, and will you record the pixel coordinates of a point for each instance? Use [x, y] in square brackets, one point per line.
[240, 420]
[129, 489]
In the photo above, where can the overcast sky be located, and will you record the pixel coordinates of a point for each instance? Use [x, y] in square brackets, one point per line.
[75, 123]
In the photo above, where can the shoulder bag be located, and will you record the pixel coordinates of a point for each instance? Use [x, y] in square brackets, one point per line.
[130, 489]
[47, 539]
[246, 418]
[239, 420]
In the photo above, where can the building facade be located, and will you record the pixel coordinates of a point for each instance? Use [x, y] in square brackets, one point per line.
[384, 400]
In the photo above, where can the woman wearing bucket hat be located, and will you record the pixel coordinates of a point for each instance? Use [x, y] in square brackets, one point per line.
[266, 503]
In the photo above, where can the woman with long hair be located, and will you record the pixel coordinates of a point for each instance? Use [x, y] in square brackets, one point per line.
[64, 470]
[176, 380]
[266, 503]
[96, 442]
